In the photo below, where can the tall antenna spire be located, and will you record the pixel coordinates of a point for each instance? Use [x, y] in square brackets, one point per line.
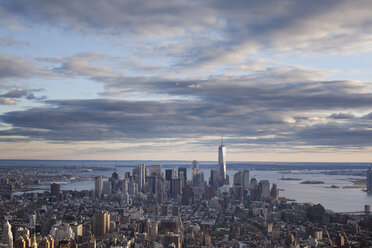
[222, 140]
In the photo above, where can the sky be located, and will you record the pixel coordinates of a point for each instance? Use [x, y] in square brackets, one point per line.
[164, 80]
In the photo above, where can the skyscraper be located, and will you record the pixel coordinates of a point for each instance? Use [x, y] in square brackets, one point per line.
[196, 177]
[98, 186]
[155, 170]
[7, 237]
[264, 189]
[182, 174]
[168, 174]
[141, 177]
[101, 223]
[55, 189]
[246, 179]
[369, 180]
[215, 179]
[176, 187]
[222, 161]
[152, 183]
[107, 188]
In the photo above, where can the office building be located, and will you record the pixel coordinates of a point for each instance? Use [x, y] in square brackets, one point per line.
[7, 236]
[274, 192]
[141, 177]
[215, 179]
[115, 175]
[77, 229]
[182, 174]
[101, 224]
[246, 179]
[176, 187]
[155, 170]
[168, 174]
[196, 176]
[264, 189]
[107, 188]
[241, 184]
[98, 186]
[55, 189]
[209, 192]
[222, 162]
[33, 222]
[133, 188]
[238, 179]
[187, 195]
[152, 183]
[124, 185]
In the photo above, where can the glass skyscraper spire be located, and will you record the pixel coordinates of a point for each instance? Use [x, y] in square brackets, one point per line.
[222, 161]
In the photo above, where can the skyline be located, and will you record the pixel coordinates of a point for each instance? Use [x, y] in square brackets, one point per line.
[138, 80]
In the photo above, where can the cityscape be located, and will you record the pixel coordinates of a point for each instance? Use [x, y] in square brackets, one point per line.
[152, 207]
[185, 123]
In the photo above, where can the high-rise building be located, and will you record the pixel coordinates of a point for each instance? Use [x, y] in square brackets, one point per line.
[133, 188]
[274, 192]
[182, 174]
[98, 186]
[264, 189]
[215, 179]
[55, 189]
[238, 179]
[196, 177]
[115, 175]
[33, 222]
[168, 174]
[124, 185]
[107, 188]
[7, 237]
[141, 177]
[241, 179]
[152, 182]
[101, 224]
[187, 195]
[245, 179]
[222, 162]
[176, 187]
[209, 192]
[253, 183]
[195, 164]
[77, 229]
[369, 180]
[155, 170]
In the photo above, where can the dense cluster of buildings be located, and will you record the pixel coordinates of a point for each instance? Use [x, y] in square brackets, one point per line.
[152, 207]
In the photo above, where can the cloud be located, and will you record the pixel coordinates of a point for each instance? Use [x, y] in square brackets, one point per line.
[347, 115]
[129, 17]
[278, 89]
[242, 27]
[8, 41]
[7, 101]
[14, 67]
[10, 97]
[271, 108]
[337, 135]
[190, 69]
[83, 65]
